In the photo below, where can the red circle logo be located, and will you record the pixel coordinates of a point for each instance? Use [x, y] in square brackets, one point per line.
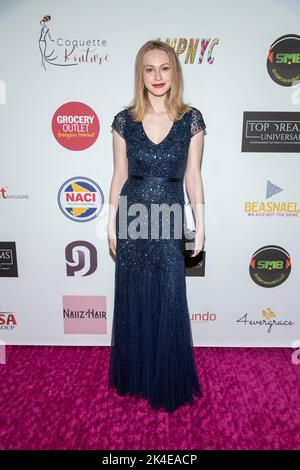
[75, 126]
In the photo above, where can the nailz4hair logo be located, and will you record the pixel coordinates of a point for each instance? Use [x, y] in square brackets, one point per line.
[57, 50]
[80, 199]
[85, 314]
[75, 126]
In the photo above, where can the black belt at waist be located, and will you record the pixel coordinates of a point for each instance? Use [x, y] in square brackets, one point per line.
[157, 179]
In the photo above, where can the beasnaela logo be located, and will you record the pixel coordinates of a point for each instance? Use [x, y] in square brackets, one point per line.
[80, 199]
[270, 266]
[276, 208]
[75, 126]
[283, 62]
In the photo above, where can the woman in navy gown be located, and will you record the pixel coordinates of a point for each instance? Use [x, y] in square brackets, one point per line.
[152, 352]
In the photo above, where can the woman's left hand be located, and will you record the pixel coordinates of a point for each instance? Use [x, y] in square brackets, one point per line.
[199, 242]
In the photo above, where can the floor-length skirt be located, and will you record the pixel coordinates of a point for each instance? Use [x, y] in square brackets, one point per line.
[152, 353]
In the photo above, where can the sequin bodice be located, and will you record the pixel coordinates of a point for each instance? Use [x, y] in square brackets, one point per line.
[167, 158]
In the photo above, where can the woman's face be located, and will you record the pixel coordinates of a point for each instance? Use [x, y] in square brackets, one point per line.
[157, 71]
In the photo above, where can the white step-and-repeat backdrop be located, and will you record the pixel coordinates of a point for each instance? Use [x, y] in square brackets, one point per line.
[66, 68]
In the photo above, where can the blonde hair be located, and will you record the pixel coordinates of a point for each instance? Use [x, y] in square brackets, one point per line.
[174, 101]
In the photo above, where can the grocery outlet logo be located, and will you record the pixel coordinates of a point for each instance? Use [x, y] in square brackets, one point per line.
[80, 199]
[75, 126]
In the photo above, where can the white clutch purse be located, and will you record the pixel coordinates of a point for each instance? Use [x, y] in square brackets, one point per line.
[189, 229]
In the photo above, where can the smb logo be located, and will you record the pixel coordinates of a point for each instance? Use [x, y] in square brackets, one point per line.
[283, 61]
[81, 258]
[80, 199]
[270, 266]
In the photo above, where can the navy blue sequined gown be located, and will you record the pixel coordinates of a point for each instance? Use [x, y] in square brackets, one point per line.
[152, 352]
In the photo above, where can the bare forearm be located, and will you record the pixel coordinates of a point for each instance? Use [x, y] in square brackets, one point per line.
[194, 187]
[114, 195]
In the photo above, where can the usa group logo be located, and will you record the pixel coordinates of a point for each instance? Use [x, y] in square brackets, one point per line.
[8, 320]
[80, 199]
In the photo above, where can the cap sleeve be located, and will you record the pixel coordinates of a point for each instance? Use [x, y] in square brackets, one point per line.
[197, 123]
[119, 122]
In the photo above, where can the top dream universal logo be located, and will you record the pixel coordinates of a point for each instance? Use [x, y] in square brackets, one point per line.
[80, 199]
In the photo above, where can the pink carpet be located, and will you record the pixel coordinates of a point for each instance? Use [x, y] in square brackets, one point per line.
[57, 398]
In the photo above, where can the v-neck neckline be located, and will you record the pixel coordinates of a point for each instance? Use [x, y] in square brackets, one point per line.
[163, 140]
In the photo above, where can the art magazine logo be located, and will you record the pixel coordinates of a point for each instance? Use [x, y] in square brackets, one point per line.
[6, 195]
[81, 257]
[270, 266]
[75, 126]
[80, 199]
[84, 314]
[58, 50]
[276, 207]
[283, 62]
